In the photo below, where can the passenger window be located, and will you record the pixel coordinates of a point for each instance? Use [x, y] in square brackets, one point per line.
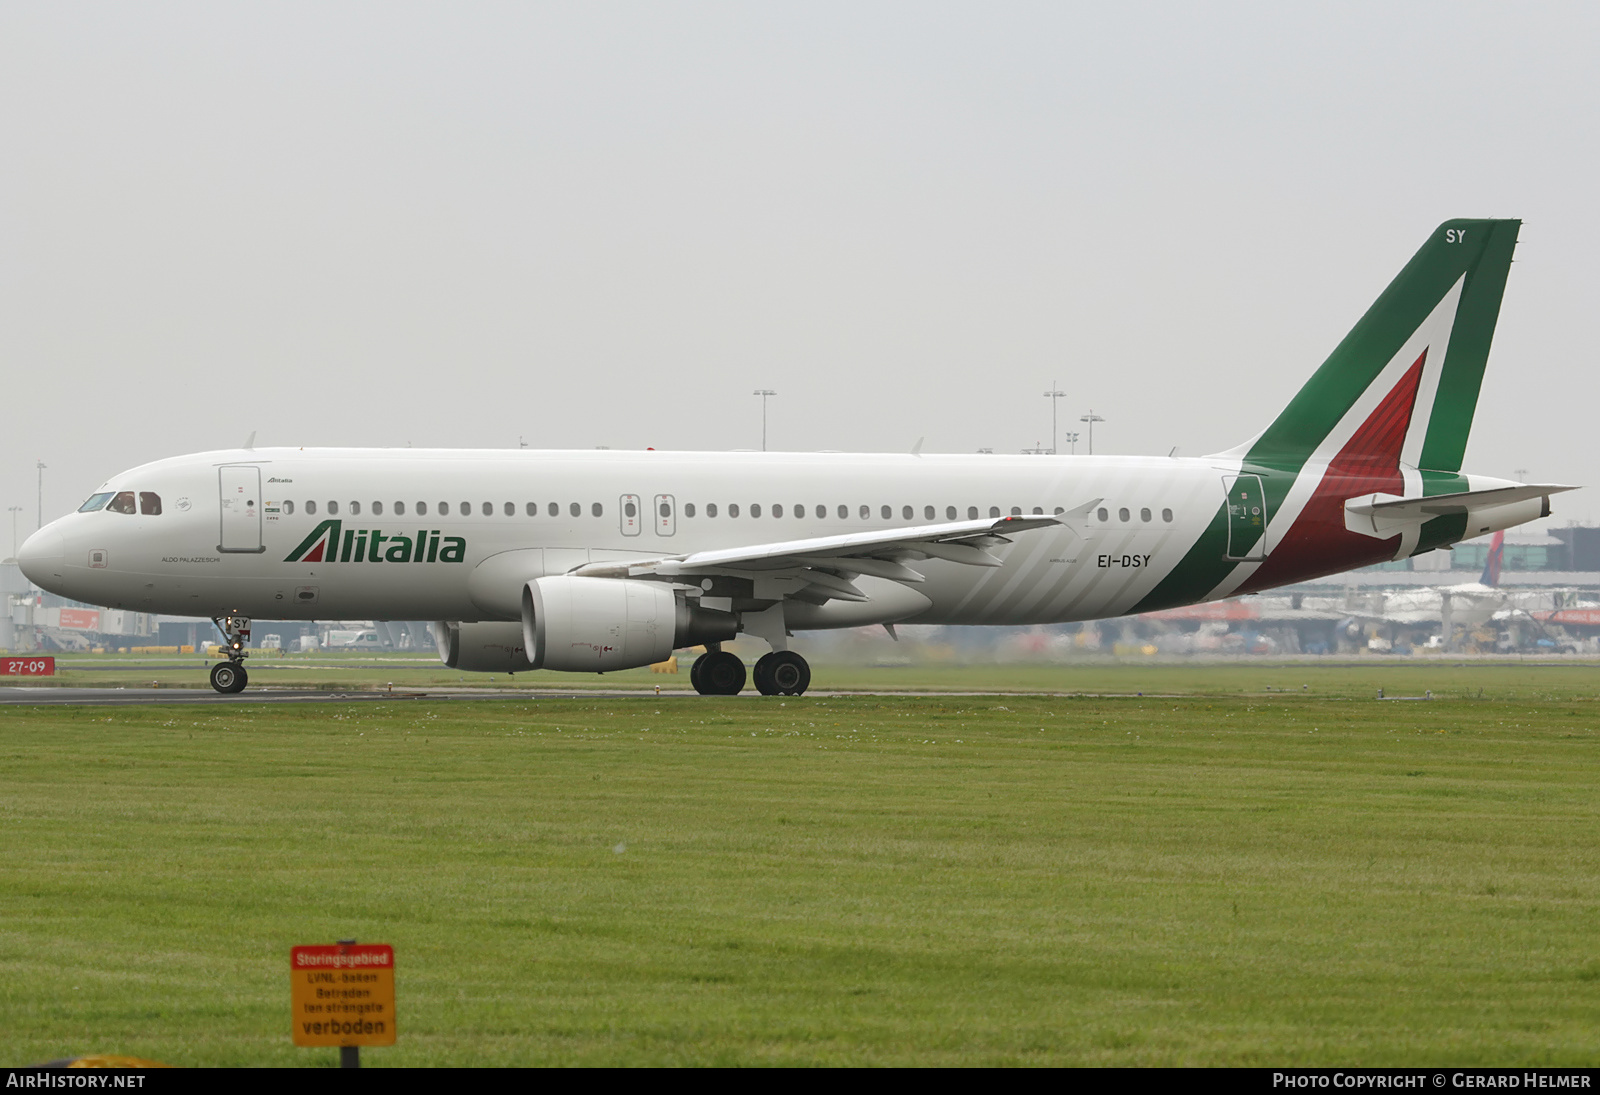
[377, 509]
[755, 509]
[533, 509]
[972, 513]
[1059, 511]
[149, 503]
[1122, 515]
[311, 509]
[1038, 511]
[927, 513]
[466, 509]
[777, 510]
[866, 512]
[288, 508]
[399, 509]
[905, 513]
[994, 511]
[422, 509]
[554, 509]
[1144, 515]
[1166, 515]
[355, 509]
[800, 510]
[949, 513]
[511, 509]
[95, 502]
[887, 513]
[122, 503]
[630, 510]
[444, 509]
[844, 512]
[488, 509]
[576, 509]
[333, 509]
[1016, 511]
[733, 509]
[1102, 514]
[711, 509]
[688, 509]
[600, 511]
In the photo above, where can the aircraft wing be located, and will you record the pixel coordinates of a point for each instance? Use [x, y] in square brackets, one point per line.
[828, 563]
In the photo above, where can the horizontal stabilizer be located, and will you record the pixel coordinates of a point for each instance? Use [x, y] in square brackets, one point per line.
[1392, 508]
[1386, 515]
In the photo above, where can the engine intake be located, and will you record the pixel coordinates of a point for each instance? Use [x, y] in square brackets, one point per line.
[597, 625]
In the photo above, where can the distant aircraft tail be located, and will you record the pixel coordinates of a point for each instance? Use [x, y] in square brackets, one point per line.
[1491, 566]
[1403, 385]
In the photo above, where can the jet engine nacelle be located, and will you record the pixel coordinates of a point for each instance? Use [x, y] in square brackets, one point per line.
[597, 625]
[481, 648]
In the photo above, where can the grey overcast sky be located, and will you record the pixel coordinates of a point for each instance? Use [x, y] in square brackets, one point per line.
[606, 224]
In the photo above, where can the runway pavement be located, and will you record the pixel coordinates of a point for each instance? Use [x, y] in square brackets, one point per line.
[113, 697]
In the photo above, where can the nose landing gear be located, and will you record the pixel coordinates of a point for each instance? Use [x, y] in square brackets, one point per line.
[229, 677]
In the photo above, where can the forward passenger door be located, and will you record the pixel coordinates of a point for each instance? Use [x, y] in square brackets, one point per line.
[239, 487]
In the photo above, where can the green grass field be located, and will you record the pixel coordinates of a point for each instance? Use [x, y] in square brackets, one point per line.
[1216, 875]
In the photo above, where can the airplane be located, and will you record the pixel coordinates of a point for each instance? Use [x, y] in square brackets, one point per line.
[608, 560]
[1465, 604]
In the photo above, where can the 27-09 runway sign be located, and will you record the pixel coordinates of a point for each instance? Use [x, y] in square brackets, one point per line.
[342, 995]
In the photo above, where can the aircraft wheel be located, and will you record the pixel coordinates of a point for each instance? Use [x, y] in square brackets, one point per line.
[718, 673]
[228, 678]
[782, 673]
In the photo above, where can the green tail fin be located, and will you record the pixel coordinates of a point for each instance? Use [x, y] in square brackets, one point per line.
[1414, 311]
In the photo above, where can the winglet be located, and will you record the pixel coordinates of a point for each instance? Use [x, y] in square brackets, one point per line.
[250, 443]
[916, 450]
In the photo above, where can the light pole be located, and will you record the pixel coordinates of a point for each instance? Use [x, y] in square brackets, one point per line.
[1071, 439]
[14, 510]
[1091, 418]
[41, 493]
[764, 393]
[1052, 395]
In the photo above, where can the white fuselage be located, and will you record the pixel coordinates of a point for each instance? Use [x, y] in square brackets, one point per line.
[442, 513]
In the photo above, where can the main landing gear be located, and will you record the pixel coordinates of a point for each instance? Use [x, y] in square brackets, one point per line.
[229, 677]
[717, 673]
[781, 673]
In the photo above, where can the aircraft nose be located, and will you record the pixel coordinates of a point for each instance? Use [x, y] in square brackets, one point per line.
[42, 557]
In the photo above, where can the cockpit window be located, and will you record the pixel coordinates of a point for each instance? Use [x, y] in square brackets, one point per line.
[149, 503]
[96, 502]
[122, 503]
